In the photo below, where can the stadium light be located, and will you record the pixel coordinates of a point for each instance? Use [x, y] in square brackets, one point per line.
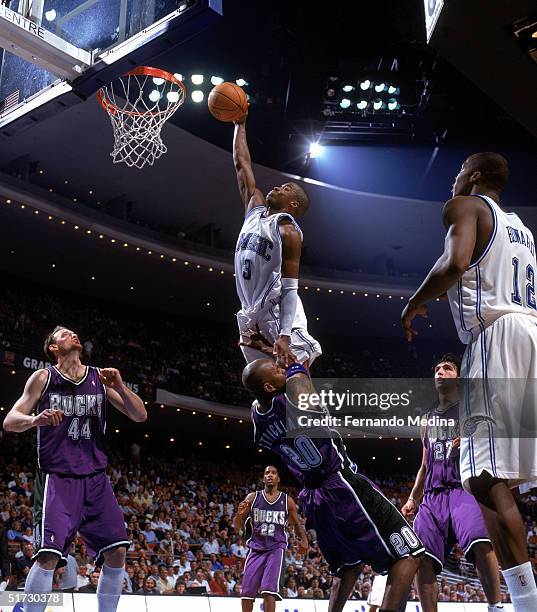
[197, 79]
[197, 96]
[50, 15]
[216, 80]
[393, 104]
[158, 81]
[178, 76]
[315, 150]
[345, 103]
[241, 82]
[364, 85]
[393, 90]
[154, 95]
[347, 88]
[362, 105]
[378, 104]
[379, 87]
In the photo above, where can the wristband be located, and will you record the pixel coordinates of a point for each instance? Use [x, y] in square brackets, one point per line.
[296, 368]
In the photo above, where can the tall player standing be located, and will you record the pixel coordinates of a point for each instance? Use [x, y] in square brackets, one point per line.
[73, 492]
[448, 514]
[266, 514]
[267, 262]
[488, 270]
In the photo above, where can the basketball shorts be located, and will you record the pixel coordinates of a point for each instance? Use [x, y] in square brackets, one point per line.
[498, 415]
[65, 505]
[355, 523]
[446, 517]
[264, 572]
[267, 322]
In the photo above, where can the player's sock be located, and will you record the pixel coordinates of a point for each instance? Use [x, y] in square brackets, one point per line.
[495, 607]
[521, 585]
[38, 581]
[109, 588]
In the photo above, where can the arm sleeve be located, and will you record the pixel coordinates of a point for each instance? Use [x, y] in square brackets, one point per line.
[288, 302]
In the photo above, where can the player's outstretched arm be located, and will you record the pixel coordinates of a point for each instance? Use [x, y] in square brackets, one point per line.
[291, 251]
[460, 219]
[20, 417]
[242, 512]
[121, 397]
[417, 490]
[299, 529]
[251, 195]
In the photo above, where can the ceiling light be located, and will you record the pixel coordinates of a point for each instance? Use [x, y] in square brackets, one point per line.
[379, 87]
[216, 80]
[345, 103]
[362, 105]
[197, 79]
[365, 84]
[241, 82]
[315, 150]
[154, 95]
[197, 96]
[347, 88]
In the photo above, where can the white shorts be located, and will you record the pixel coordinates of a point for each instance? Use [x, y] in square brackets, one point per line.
[376, 595]
[267, 322]
[499, 402]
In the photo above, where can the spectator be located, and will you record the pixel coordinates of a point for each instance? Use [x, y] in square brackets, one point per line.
[238, 549]
[218, 586]
[92, 586]
[149, 588]
[82, 579]
[24, 562]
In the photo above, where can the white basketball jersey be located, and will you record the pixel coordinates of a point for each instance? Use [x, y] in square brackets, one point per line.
[501, 281]
[258, 259]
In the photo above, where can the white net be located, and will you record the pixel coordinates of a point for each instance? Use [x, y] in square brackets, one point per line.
[139, 103]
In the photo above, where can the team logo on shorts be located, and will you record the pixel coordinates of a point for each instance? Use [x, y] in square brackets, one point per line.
[470, 425]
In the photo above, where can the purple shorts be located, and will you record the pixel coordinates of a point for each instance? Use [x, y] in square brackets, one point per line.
[263, 573]
[446, 517]
[65, 505]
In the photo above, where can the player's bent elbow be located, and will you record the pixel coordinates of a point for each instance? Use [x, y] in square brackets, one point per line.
[457, 268]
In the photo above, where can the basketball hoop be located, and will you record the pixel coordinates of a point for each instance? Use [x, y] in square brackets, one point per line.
[139, 103]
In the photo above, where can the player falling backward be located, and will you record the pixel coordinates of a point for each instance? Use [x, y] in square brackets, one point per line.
[488, 271]
[72, 491]
[266, 514]
[354, 522]
[267, 261]
[447, 513]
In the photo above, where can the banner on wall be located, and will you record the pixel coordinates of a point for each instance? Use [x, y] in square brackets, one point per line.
[16, 360]
[82, 602]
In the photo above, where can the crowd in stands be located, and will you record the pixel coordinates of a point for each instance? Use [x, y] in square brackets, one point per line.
[179, 517]
[139, 343]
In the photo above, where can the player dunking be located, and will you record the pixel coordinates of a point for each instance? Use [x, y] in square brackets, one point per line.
[354, 522]
[72, 491]
[488, 269]
[266, 514]
[447, 513]
[267, 261]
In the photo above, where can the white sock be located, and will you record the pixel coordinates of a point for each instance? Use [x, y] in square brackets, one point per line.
[109, 588]
[496, 606]
[522, 588]
[38, 581]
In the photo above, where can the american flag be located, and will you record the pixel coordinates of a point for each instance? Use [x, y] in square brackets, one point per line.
[9, 102]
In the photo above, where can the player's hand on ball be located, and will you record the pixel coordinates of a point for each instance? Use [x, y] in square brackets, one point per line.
[303, 547]
[409, 508]
[408, 315]
[282, 352]
[110, 377]
[48, 417]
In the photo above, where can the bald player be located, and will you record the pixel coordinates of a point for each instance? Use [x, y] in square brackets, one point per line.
[488, 271]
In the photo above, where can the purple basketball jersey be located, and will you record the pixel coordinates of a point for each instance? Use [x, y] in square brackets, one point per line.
[76, 447]
[310, 460]
[442, 458]
[268, 523]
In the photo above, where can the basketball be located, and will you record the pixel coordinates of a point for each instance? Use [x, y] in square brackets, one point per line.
[227, 102]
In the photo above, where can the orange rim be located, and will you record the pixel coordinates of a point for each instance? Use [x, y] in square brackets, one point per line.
[157, 73]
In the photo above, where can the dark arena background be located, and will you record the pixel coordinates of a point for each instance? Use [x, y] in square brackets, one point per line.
[371, 108]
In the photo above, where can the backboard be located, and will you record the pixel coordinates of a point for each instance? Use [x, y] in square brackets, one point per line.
[67, 49]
